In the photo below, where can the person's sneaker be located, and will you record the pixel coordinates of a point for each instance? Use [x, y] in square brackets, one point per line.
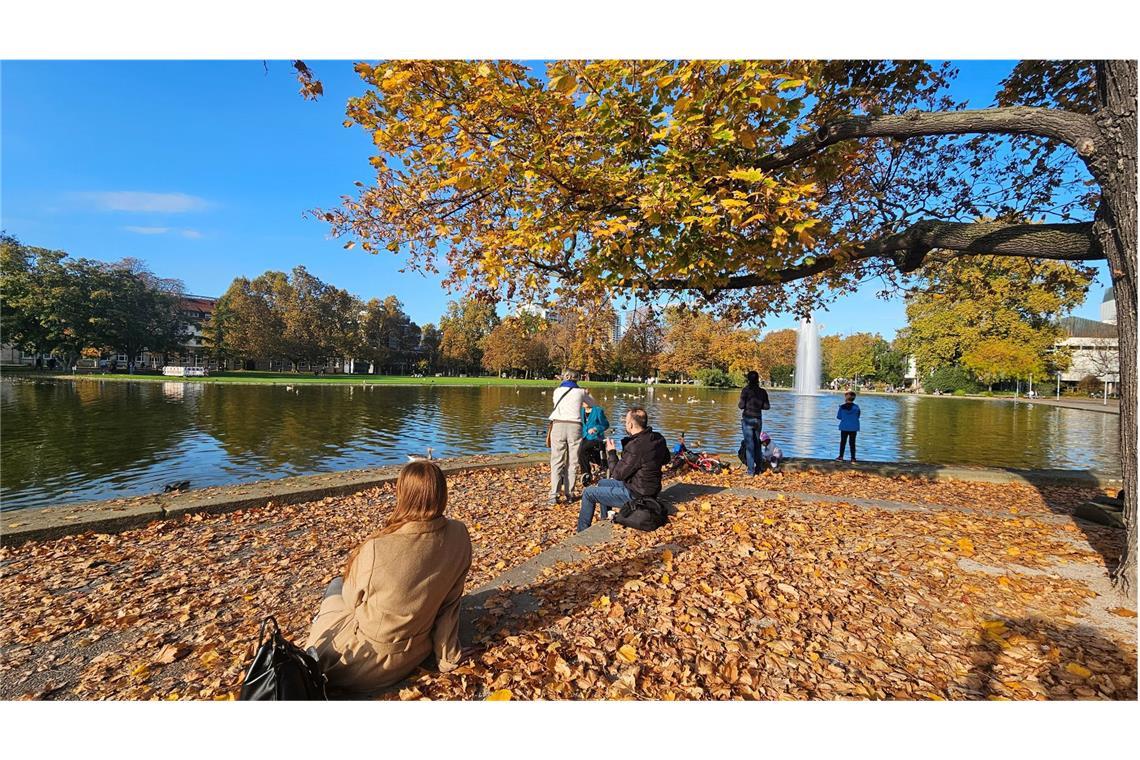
[552, 500]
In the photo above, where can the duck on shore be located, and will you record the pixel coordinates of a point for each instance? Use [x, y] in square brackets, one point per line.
[421, 457]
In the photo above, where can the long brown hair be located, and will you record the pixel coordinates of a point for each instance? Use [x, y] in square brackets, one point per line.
[421, 495]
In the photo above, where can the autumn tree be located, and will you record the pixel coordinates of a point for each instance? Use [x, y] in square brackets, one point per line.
[778, 355]
[390, 338]
[637, 354]
[134, 310]
[967, 302]
[767, 184]
[996, 359]
[46, 304]
[462, 330]
[430, 338]
[296, 317]
[591, 351]
[854, 356]
[890, 362]
[511, 346]
[53, 304]
[245, 322]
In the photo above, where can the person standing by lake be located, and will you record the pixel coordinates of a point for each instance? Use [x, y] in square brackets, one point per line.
[848, 416]
[592, 450]
[753, 402]
[565, 434]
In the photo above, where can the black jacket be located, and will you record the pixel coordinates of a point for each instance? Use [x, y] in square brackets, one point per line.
[642, 457]
[753, 400]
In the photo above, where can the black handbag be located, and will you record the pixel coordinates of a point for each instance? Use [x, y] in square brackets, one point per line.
[281, 670]
[643, 513]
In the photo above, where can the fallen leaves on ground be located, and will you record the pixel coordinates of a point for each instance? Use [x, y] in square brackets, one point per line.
[738, 597]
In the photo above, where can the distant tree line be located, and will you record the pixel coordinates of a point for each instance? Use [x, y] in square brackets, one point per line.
[64, 308]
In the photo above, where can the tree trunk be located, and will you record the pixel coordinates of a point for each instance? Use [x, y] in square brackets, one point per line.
[1114, 167]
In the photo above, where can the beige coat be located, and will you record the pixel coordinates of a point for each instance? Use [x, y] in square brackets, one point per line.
[399, 604]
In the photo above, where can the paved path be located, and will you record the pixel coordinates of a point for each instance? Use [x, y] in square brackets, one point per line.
[1088, 405]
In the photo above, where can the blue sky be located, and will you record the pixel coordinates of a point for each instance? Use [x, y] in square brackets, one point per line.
[204, 170]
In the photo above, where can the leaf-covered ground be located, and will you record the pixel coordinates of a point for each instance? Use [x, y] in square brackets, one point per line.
[739, 597]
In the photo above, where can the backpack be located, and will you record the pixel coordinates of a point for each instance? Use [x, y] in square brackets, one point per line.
[643, 513]
[281, 671]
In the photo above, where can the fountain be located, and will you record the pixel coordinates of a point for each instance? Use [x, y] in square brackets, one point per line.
[807, 358]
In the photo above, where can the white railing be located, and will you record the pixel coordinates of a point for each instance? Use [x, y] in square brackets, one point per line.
[171, 371]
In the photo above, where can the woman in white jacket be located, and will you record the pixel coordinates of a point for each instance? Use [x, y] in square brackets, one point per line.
[566, 434]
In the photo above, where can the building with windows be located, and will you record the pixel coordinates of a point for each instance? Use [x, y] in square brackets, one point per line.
[1093, 346]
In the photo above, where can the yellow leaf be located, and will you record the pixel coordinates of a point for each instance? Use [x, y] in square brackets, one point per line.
[665, 579]
[142, 671]
[733, 597]
[502, 695]
[1078, 670]
[739, 528]
[747, 175]
[601, 602]
[966, 546]
[705, 587]
[667, 556]
[781, 497]
[627, 653]
[1013, 551]
[706, 505]
[565, 84]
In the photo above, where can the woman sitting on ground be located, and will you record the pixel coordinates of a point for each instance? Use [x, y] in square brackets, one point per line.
[398, 601]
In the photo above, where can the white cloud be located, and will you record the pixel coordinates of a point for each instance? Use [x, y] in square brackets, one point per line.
[186, 232]
[158, 203]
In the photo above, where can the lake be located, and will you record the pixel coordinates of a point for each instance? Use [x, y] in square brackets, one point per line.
[64, 442]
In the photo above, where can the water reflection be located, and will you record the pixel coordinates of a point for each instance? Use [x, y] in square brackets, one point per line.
[65, 442]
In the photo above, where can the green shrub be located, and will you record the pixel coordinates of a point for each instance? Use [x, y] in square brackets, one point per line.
[950, 379]
[782, 374]
[959, 392]
[713, 378]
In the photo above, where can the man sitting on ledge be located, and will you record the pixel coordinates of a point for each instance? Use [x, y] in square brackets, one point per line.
[638, 472]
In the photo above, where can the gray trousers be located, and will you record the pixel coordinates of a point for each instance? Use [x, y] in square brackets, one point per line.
[565, 438]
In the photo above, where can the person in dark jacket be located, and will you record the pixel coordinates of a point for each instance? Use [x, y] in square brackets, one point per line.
[592, 450]
[637, 473]
[753, 402]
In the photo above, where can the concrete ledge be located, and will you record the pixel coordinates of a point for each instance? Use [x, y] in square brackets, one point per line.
[54, 522]
[953, 472]
[119, 514]
[23, 525]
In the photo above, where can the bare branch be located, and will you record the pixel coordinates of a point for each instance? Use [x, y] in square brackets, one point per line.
[908, 250]
[1074, 129]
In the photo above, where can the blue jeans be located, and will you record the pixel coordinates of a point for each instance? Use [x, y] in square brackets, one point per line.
[750, 429]
[607, 494]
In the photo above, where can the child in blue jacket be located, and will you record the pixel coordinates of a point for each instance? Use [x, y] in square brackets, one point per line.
[848, 416]
[592, 449]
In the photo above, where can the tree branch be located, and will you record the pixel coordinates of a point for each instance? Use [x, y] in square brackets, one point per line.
[1074, 129]
[908, 250]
